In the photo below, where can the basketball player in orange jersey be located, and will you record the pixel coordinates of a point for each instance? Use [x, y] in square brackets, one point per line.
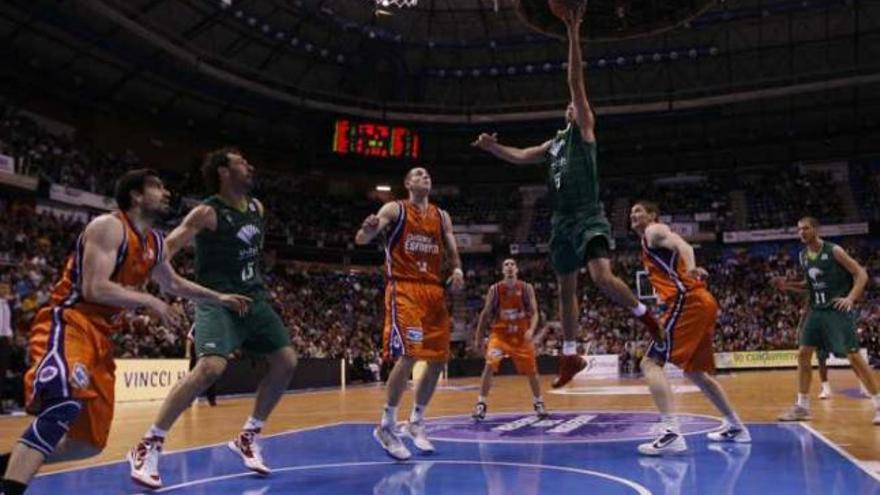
[689, 324]
[69, 386]
[417, 324]
[581, 233]
[513, 309]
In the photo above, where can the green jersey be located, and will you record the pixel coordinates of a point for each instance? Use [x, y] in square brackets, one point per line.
[574, 178]
[826, 277]
[228, 258]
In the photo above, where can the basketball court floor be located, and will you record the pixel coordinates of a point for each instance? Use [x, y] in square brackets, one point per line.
[319, 443]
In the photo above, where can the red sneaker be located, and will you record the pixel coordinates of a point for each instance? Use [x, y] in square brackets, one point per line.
[568, 367]
[653, 325]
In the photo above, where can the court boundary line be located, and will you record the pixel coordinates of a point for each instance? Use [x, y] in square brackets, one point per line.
[639, 489]
[837, 448]
[206, 446]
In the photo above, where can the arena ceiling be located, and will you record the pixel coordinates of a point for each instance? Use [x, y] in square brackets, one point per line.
[441, 60]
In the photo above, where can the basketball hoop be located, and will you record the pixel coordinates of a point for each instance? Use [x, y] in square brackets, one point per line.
[396, 3]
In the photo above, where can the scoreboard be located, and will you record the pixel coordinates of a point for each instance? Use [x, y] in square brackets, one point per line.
[377, 140]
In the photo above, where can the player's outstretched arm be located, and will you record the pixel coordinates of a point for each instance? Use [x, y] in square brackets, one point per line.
[517, 156]
[860, 279]
[101, 242]
[660, 235]
[456, 281]
[200, 218]
[172, 283]
[485, 315]
[374, 224]
[576, 84]
[536, 314]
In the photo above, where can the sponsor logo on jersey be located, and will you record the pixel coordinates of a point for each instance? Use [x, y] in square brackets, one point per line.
[512, 314]
[415, 335]
[210, 345]
[48, 374]
[495, 353]
[421, 244]
[80, 376]
[824, 257]
[247, 233]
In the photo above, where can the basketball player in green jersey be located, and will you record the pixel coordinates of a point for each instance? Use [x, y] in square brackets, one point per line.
[580, 231]
[228, 231]
[835, 281]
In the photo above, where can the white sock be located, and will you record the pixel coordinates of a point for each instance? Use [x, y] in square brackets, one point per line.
[803, 400]
[156, 432]
[482, 399]
[539, 399]
[640, 310]
[826, 387]
[569, 348]
[389, 416]
[253, 424]
[733, 420]
[876, 400]
[417, 414]
[670, 422]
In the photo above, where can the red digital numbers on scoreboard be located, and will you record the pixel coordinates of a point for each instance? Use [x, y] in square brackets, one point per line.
[375, 140]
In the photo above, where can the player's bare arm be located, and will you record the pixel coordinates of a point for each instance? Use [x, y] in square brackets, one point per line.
[172, 283]
[517, 156]
[376, 223]
[486, 315]
[103, 236]
[860, 279]
[200, 218]
[576, 84]
[456, 281]
[535, 316]
[660, 235]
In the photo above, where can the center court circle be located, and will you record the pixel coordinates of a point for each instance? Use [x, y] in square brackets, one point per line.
[563, 427]
[417, 478]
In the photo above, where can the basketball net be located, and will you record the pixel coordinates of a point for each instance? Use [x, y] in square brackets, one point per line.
[396, 3]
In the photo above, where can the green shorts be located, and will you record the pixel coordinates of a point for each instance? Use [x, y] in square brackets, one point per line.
[219, 331]
[576, 239]
[831, 330]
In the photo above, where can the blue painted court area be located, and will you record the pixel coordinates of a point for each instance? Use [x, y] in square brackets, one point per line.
[572, 453]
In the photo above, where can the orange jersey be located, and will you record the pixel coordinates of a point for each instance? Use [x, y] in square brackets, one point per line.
[135, 259]
[667, 273]
[512, 308]
[414, 247]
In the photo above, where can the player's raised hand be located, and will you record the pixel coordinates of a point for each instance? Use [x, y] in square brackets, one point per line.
[485, 141]
[235, 302]
[698, 273]
[844, 304]
[371, 223]
[456, 281]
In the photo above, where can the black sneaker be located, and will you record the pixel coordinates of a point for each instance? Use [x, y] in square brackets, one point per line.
[479, 412]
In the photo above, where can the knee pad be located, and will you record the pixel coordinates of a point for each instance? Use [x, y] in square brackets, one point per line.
[51, 425]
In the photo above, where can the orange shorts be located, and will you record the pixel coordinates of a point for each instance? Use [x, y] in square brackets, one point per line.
[517, 348]
[70, 358]
[416, 322]
[690, 326]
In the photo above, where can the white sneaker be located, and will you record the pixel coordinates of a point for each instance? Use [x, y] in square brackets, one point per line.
[876, 417]
[416, 431]
[669, 442]
[730, 433]
[143, 460]
[245, 445]
[391, 443]
[825, 393]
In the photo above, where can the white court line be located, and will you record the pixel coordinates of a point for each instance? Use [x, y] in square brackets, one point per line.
[639, 489]
[189, 449]
[840, 451]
